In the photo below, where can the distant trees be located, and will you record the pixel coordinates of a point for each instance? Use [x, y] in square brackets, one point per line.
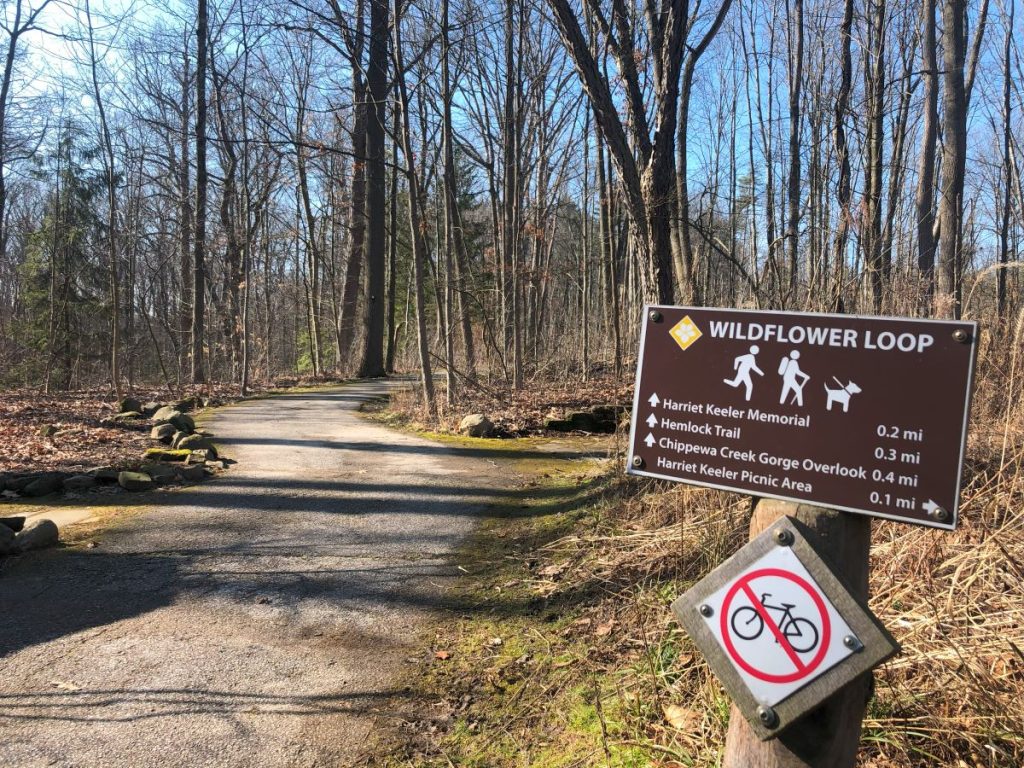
[19, 19]
[63, 286]
[489, 187]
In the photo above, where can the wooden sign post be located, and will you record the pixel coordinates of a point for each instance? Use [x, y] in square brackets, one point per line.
[827, 737]
[828, 420]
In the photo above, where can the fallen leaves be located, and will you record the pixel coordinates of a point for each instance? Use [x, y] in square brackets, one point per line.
[46, 433]
[605, 629]
[71, 431]
[550, 571]
[442, 655]
[682, 718]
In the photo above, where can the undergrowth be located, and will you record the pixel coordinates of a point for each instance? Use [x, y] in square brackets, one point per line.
[565, 652]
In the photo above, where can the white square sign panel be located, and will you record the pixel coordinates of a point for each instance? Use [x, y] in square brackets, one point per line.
[777, 627]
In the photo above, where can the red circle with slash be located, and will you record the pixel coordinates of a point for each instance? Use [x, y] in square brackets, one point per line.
[803, 669]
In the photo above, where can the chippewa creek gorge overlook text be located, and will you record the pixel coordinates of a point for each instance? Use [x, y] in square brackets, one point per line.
[848, 338]
[764, 458]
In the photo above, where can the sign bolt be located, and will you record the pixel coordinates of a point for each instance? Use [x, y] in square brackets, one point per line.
[767, 716]
[961, 335]
[852, 643]
[782, 537]
[655, 316]
[706, 611]
[939, 514]
[638, 462]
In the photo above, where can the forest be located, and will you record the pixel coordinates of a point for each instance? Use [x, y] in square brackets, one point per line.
[239, 191]
[254, 200]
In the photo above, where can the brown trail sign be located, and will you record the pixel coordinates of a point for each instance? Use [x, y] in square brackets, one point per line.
[862, 414]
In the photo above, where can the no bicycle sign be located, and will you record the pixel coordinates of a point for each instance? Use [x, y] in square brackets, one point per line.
[780, 629]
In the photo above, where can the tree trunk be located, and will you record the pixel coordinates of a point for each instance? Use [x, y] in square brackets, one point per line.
[842, 147]
[874, 77]
[827, 737]
[389, 364]
[954, 158]
[1004, 223]
[108, 158]
[419, 246]
[924, 204]
[199, 257]
[796, 76]
[376, 232]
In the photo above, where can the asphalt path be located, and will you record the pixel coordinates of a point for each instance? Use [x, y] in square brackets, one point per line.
[260, 619]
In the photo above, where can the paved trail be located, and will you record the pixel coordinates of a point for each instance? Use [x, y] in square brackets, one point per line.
[257, 620]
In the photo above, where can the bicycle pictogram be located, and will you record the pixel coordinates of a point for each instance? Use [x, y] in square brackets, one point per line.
[747, 623]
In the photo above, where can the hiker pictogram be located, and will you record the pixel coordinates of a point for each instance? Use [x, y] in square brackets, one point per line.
[793, 380]
[743, 365]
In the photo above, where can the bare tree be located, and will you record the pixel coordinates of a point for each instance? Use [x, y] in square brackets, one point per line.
[199, 253]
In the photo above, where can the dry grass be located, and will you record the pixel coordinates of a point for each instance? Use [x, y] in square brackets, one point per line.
[955, 601]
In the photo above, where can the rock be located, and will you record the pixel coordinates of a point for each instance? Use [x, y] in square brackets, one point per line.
[184, 423]
[18, 482]
[163, 432]
[163, 454]
[213, 464]
[129, 404]
[189, 404]
[195, 443]
[177, 437]
[104, 474]
[39, 534]
[79, 483]
[582, 421]
[557, 425]
[135, 481]
[148, 409]
[47, 430]
[44, 485]
[192, 473]
[7, 540]
[127, 416]
[161, 474]
[201, 456]
[476, 425]
[12, 523]
[165, 415]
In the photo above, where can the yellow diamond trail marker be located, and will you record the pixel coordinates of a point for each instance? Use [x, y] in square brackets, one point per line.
[685, 332]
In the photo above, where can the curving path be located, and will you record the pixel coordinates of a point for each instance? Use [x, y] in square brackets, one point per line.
[258, 620]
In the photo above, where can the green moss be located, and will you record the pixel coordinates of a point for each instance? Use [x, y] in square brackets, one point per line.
[165, 454]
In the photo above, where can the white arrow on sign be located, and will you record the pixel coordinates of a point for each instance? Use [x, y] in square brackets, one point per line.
[649, 440]
[653, 399]
[929, 506]
[652, 420]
